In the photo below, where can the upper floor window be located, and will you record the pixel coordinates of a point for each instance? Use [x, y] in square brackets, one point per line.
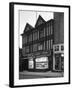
[47, 30]
[56, 48]
[31, 48]
[35, 47]
[27, 49]
[51, 43]
[40, 46]
[23, 51]
[35, 35]
[30, 37]
[62, 47]
[24, 39]
[41, 33]
[51, 29]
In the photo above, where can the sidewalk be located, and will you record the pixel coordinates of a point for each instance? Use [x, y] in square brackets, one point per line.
[48, 73]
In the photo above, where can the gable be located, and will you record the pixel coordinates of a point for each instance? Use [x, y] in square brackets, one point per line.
[28, 27]
[39, 21]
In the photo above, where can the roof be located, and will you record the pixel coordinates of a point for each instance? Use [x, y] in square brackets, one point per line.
[40, 21]
[28, 27]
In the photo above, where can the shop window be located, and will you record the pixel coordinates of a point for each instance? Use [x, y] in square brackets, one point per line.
[42, 63]
[31, 63]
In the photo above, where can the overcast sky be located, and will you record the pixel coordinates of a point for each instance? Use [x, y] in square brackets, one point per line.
[31, 18]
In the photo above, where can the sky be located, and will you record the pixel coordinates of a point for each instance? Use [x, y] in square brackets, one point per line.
[31, 18]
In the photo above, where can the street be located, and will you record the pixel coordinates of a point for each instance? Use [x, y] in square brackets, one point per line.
[32, 75]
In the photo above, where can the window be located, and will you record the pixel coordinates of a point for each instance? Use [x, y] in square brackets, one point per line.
[24, 39]
[56, 48]
[35, 47]
[51, 29]
[44, 45]
[35, 35]
[51, 43]
[31, 47]
[44, 31]
[30, 37]
[47, 44]
[47, 32]
[62, 47]
[41, 33]
[40, 46]
[23, 51]
[27, 49]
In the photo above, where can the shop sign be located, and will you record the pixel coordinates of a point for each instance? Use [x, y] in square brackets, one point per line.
[42, 63]
[42, 59]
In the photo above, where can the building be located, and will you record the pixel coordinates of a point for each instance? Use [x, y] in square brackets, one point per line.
[37, 45]
[58, 46]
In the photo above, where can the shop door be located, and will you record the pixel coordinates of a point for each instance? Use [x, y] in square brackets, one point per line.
[62, 63]
[57, 62]
[25, 64]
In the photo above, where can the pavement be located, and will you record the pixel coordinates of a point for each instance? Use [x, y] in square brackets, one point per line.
[48, 74]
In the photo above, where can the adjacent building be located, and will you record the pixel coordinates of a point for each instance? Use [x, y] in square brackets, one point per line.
[58, 46]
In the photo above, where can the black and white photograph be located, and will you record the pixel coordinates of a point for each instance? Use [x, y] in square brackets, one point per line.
[41, 44]
[42, 49]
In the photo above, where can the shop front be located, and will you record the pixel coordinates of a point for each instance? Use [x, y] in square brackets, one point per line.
[40, 62]
[58, 57]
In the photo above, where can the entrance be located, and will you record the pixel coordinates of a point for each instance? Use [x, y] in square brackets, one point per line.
[59, 62]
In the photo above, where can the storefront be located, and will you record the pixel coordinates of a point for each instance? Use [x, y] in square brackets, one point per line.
[38, 64]
[41, 63]
[58, 57]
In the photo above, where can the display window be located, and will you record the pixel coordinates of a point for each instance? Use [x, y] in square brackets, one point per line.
[31, 63]
[42, 63]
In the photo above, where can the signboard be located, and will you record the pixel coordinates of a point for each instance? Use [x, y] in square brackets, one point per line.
[42, 63]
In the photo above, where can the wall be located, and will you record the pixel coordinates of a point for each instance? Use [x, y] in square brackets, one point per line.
[58, 27]
[4, 45]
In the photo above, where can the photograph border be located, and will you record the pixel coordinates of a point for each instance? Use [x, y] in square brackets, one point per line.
[11, 42]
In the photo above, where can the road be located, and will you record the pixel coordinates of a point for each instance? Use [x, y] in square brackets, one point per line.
[32, 75]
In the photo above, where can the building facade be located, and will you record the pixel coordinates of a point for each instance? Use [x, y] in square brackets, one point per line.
[37, 45]
[58, 46]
